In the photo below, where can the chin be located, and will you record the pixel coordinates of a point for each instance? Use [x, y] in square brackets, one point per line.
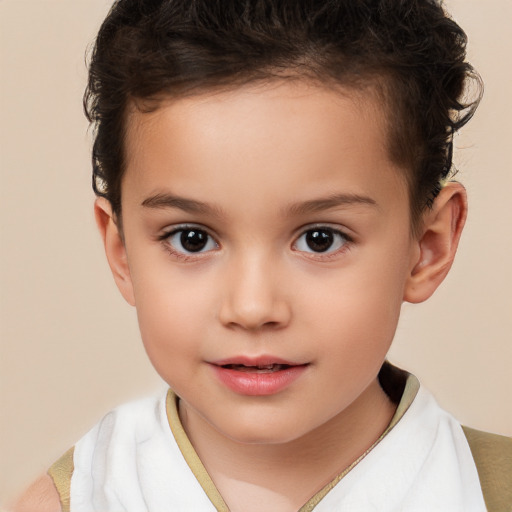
[263, 433]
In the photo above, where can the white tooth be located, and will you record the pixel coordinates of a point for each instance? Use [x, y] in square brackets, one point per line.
[265, 367]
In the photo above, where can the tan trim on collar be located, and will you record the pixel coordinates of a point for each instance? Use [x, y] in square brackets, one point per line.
[61, 472]
[190, 455]
[412, 386]
[410, 391]
[194, 462]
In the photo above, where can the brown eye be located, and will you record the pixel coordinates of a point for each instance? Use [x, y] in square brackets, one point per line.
[320, 240]
[191, 240]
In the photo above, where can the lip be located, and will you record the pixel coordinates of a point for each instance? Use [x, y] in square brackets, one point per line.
[257, 382]
[261, 360]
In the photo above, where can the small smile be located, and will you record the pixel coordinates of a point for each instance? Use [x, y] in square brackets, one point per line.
[265, 368]
[256, 361]
[258, 376]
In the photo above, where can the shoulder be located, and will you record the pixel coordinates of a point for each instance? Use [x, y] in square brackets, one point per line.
[492, 451]
[492, 454]
[41, 496]
[133, 422]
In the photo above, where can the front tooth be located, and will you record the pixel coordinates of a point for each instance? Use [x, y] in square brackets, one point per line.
[265, 367]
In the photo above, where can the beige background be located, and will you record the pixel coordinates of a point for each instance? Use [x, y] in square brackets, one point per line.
[70, 348]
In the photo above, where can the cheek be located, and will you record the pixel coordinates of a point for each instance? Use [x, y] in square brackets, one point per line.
[173, 315]
[360, 306]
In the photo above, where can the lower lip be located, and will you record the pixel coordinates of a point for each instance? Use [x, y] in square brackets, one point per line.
[257, 383]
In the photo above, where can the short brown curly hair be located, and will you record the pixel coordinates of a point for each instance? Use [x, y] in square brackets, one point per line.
[411, 50]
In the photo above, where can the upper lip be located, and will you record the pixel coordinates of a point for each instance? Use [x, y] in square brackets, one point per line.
[263, 360]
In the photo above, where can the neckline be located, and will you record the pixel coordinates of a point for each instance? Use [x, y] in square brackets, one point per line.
[401, 386]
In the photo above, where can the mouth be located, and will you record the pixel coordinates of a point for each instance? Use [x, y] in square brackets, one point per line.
[258, 376]
[260, 368]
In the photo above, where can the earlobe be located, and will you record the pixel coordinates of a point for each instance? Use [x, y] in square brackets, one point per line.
[441, 231]
[114, 248]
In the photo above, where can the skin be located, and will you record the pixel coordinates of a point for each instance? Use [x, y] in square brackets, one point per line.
[41, 496]
[256, 168]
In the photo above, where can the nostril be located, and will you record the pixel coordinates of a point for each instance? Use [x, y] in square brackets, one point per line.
[255, 325]
[253, 301]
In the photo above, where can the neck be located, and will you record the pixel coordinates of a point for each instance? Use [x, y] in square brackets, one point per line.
[287, 475]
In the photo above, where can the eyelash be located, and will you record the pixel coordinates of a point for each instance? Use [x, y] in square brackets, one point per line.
[191, 256]
[194, 256]
[346, 242]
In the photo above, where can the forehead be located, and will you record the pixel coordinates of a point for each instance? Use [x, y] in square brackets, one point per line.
[285, 134]
[278, 100]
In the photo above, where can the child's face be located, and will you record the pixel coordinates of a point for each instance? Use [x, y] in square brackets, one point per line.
[294, 248]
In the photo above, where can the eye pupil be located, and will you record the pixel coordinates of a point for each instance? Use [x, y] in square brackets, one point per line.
[319, 240]
[193, 240]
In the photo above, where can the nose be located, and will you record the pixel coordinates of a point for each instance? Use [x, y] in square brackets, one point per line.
[254, 298]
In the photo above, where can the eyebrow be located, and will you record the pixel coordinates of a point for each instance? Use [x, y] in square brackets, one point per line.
[165, 200]
[326, 203]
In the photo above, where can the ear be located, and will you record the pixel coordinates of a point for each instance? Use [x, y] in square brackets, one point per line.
[114, 248]
[439, 238]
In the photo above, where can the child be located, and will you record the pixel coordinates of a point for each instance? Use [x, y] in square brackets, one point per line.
[273, 182]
